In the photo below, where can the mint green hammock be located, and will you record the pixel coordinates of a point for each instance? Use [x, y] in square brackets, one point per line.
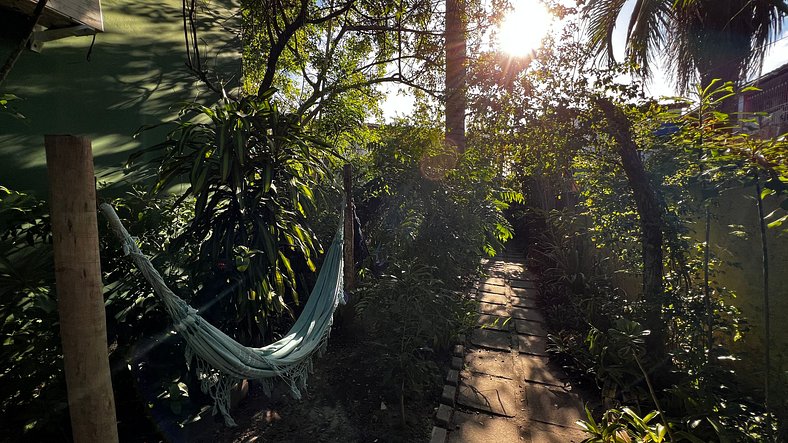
[221, 361]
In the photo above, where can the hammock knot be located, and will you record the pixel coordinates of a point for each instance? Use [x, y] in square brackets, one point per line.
[129, 245]
[189, 319]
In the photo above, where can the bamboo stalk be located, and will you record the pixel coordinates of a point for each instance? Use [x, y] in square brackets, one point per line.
[350, 265]
[766, 325]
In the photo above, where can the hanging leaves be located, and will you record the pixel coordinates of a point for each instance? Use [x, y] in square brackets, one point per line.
[251, 172]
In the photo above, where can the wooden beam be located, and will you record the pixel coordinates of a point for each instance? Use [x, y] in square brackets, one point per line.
[83, 327]
[62, 13]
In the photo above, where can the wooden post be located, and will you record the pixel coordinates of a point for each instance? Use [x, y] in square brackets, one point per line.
[350, 264]
[83, 328]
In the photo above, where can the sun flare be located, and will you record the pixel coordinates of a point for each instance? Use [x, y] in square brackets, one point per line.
[524, 28]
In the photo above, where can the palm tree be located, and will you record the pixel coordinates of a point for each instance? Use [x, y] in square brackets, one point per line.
[701, 39]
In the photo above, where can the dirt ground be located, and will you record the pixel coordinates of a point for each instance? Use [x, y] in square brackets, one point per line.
[344, 402]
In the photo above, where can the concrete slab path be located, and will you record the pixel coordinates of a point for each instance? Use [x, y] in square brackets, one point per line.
[508, 390]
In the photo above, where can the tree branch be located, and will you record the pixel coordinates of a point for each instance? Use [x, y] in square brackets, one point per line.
[332, 15]
[318, 95]
[280, 45]
[382, 28]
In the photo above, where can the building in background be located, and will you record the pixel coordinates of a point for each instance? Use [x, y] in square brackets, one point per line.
[133, 75]
[772, 99]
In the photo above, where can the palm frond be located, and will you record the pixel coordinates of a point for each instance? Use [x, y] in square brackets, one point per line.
[767, 17]
[645, 35]
[699, 39]
[602, 16]
[682, 47]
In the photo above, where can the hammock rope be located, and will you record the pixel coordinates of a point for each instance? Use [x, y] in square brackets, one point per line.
[221, 362]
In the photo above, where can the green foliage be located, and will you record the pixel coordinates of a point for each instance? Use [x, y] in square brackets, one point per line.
[326, 58]
[32, 377]
[583, 306]
[728, 153]
[139, 328]
[410, 316]
[6, 106]
[33, 380]
[423, 201]
[522, 110]
[250, 174]
[615, 351]
[429, 215]
[587, 244]
[625, 426]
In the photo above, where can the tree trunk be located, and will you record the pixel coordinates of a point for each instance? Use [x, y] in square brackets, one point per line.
[455, 73]
[83, 327]
[650, 213]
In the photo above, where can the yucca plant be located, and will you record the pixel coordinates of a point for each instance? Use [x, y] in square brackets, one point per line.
[250, 173]
[623, 426]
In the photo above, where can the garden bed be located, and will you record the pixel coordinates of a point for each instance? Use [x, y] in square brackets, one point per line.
[345, 401]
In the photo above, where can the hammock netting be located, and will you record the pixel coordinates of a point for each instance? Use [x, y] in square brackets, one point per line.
[222, 362]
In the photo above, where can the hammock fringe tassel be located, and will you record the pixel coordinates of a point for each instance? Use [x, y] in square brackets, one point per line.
[221, 362]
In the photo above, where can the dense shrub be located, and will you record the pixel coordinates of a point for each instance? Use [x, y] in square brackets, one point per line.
[694, 381]
[32, 377]
[429, 215]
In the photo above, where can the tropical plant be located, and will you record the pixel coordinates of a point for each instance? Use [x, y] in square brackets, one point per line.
[429, 215]
[569, 162]
[729, 157]
[410, 317]
[250, 175]
[715, 39]
[624, 426]
[420, 199]
[32, 379]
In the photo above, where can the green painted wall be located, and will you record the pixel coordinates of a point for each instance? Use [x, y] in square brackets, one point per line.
[136, 76]
[744, 276]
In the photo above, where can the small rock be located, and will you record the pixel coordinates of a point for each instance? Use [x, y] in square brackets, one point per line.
[453, 377]
[443, 416]
[438, 435]
[448, 395]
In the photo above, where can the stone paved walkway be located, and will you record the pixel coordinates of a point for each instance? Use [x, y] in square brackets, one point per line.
[508, 390]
